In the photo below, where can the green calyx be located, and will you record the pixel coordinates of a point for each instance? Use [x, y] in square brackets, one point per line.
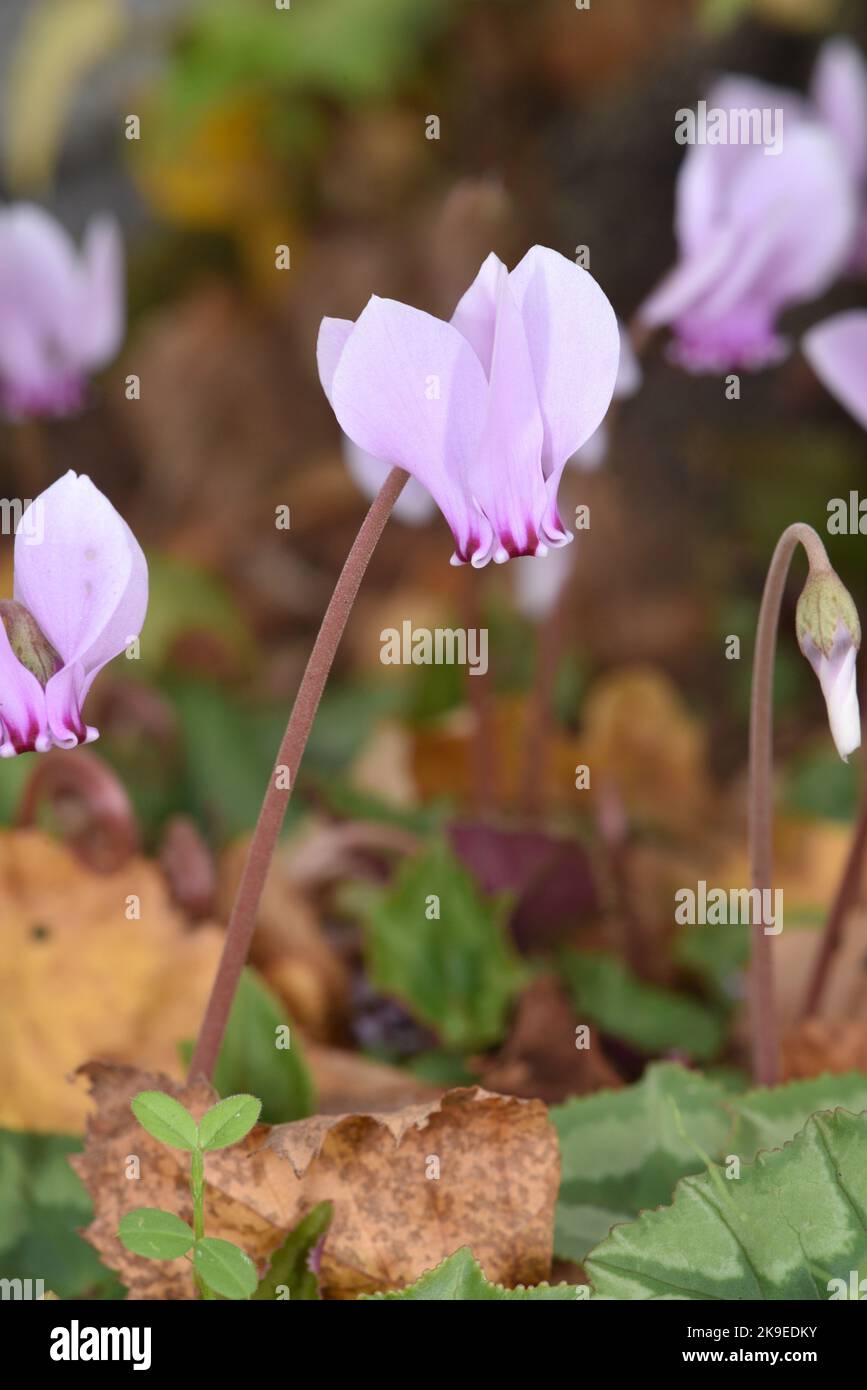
[824, 603]
[28, 641]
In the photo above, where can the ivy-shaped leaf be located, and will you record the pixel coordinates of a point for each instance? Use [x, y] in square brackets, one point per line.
[790, 1225]
[624, 1150]
[460, 1277]
[768, 1117]
[437, 944]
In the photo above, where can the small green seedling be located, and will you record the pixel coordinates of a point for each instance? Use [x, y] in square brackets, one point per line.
[219, 1268]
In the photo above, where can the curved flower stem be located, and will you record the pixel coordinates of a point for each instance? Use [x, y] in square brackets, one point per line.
[765, 1044]
[242, 920]
[845, 898]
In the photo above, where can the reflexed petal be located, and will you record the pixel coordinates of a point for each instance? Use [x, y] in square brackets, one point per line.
[836, 673]
[838, 89]
[574, 345]
[29, 382]
[691, 278]
[409, 389]
[506, 476]
[808, 175]
[64, 697]
[97, 333]
[333, 334]
[38, 266]
[837, 352]
[414, 506]
[23, 718]
[476, 313]
[59, 313]
[86, 582]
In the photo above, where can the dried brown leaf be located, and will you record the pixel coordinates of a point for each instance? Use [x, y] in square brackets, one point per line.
[409, 1187]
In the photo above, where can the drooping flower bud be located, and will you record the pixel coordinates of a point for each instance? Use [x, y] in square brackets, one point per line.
[829, 635]
[28, 641]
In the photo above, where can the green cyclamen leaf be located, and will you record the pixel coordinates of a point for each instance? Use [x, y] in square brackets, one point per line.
[43, 1205]
[454, 968]
[166, 1119]
[228, 1121]
[225, 1268]
[653, 1019]
[792, 1226]
[461, 1278]
[289, 1274]
[624, 1150]
[768, 1116]
[252, 1059]
[160, 1235]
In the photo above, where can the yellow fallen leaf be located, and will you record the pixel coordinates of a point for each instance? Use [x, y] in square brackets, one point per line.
[82, 976]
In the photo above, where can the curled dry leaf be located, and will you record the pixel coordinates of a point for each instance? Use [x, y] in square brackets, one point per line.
[90, 965]
[408, 1186]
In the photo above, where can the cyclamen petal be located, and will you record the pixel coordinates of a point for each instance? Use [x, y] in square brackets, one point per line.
[838, 90]
[836, 673]
[739, 221]
[414, 506]
[837, 352]
[61, 310]
[629, 378]
[85, 585]
[485, 411]
[23, 716]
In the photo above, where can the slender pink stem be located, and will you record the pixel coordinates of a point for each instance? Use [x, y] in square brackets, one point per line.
[765, 1043]
[845, 897]
[242, 920]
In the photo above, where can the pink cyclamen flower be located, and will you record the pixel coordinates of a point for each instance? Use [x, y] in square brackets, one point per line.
[486, 410]
[629, 378]
[838, 93]
[837, 351]
[81, 589]
[61, 310]
[740, 221]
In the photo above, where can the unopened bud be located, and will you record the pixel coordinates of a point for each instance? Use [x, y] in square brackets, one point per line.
[829, 635]
[28, 641]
